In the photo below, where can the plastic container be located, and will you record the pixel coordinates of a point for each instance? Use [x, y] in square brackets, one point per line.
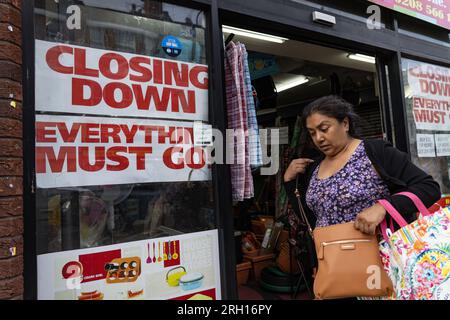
[191, 281]
[173, 278]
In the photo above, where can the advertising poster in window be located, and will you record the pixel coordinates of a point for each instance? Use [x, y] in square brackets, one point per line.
[428, 87]
[83, 80]
[182, 267]
[83, 151]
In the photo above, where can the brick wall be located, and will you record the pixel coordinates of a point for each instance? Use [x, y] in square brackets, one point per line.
[11, 164]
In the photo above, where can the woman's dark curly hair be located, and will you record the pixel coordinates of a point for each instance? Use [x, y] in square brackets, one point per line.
[334, 107]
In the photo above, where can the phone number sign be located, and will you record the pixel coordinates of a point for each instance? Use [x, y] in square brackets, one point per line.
[434, 11]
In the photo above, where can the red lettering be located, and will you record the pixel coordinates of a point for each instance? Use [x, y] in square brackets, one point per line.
[110, 98]
[136, 65]
[163, 135]
[105, 66]
[65, 155]
[129, 134]
[52, 57]
[65, 134]
[83, 159]
[194, 77]
[78, 98]
[42, 131]
[178, 96]
[171, 71]
[182, 136]
[122, 161]
[80, 64]
[140, 153]
[110, 131]
[157, 71]
[191, 163]
[148, 132]
[90, 133]
[167, 158]
[151, 94]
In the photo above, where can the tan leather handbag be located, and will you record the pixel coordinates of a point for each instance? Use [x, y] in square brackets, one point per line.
[349, 262]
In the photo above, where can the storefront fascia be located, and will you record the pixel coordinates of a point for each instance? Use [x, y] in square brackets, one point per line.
[292, 19]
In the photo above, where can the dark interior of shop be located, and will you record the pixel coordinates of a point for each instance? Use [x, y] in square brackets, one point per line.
[286, 77]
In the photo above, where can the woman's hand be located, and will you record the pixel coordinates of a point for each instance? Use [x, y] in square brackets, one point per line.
[368, 219]
[295, 167]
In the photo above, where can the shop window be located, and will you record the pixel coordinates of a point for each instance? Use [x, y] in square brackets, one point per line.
[104, 123]
[427, 97]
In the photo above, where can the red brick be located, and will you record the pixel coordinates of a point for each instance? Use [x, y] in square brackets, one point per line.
[8, 87]
[14, 36]
[11, 206]
[16, 3]
[11, 15]
[7, 243]
[11, 227]
[10, 186]
[9, 111]
[11, 167]
[10, 52]
[10, 128]
[11, 288]
[11, 147]
[10, 70]
[12, 267]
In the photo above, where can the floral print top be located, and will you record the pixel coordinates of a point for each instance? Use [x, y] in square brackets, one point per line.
[339, 198]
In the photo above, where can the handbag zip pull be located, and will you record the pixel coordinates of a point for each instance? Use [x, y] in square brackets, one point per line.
[320, 254]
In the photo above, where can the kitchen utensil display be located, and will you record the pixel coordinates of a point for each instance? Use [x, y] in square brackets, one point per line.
[149, 260]
[175, 254]
[129, 270]
[164, 252]
[173, 278]
[191, 281]
[170, 256]
[159, 252]
[154, 253]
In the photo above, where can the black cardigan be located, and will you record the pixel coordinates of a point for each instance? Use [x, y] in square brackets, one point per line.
[396, 170]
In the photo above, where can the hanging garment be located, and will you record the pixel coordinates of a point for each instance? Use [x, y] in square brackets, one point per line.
[253, 130]
[241, 178]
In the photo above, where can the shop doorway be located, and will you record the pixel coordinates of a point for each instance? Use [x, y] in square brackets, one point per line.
[286, 75]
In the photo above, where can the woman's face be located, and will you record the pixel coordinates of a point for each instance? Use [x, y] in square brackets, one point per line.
[328, 134]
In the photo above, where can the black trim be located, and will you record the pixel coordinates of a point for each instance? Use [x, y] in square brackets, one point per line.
[297, 15]
[29, 195]
[221, 173]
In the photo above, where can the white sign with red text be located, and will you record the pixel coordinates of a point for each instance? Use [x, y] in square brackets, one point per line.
[429, 89]
[82, 151]
[74, 79]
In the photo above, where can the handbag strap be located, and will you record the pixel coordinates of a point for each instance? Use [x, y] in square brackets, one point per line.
[417, 202]
[302, 211]
[395, 216]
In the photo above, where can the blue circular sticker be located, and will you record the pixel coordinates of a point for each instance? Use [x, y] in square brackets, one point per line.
[172, 46]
